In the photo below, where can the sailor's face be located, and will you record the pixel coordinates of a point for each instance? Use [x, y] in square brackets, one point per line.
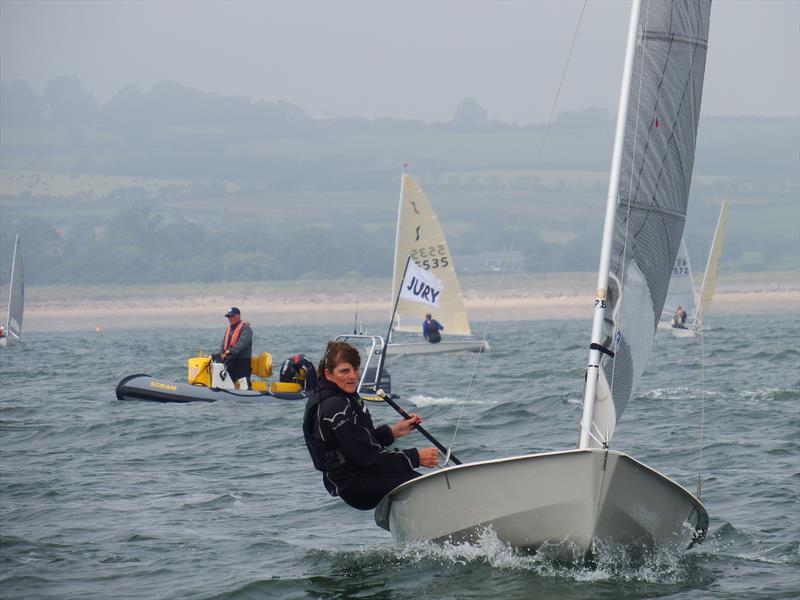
[345, 376]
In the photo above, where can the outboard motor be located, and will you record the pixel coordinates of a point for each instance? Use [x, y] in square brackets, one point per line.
[298, 369]
[369, 381]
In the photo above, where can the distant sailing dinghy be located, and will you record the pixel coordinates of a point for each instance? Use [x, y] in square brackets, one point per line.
[16, 300]
[681, 286]
[420, 236]
[592, 494]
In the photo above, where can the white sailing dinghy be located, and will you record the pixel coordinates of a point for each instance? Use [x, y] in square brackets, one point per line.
[593, 494]
[420, 236]
[681, 289]
[16, 299]
[681, 286]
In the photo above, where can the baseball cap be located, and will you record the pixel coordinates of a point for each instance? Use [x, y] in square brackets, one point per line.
[233, 311]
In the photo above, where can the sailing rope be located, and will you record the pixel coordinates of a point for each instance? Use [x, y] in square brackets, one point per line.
[507, 259]
[702, 412]
[560, 84]
[700, 333]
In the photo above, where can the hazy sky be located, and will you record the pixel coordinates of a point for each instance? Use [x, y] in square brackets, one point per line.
[398, 59]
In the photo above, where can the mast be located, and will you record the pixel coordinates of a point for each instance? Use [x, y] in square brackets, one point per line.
[11, 283]
[396, 246]
[593, 370]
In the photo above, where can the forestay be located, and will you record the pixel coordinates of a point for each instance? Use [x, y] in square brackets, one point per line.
[420, 236]
[654, 181]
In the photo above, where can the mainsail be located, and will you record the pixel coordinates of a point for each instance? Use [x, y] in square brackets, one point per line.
[712, 268]
[16, 294]
[420, 235]
[681, 286]
[655, 175]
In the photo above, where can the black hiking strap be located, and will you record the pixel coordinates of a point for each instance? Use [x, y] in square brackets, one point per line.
[602, 349]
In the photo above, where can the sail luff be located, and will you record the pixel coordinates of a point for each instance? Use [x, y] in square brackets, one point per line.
[709, 285]
[654, 182]
[593, 372]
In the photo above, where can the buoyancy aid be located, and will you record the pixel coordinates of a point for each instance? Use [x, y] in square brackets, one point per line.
[230, 341]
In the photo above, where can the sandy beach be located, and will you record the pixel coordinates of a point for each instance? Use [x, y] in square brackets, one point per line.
[523, 297]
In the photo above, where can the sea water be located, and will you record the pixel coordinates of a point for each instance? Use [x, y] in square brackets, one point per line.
[102, 498]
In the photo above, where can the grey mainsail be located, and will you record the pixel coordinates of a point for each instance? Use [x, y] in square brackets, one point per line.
[655, 177]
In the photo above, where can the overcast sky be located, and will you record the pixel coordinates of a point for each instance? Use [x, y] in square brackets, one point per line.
[391, 59]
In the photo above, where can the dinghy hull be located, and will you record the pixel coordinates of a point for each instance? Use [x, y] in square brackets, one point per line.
[575, 498]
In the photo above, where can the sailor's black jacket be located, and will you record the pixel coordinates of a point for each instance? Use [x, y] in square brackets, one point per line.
[339, 429]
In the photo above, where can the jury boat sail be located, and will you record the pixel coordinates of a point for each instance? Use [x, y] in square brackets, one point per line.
[420, 236]
[592, 492]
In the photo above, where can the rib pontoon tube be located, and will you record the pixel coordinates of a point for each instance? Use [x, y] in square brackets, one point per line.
[144, 387]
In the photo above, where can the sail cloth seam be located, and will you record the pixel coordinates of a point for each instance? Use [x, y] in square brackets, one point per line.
[660, 36]
[652, 208]
[516, 231]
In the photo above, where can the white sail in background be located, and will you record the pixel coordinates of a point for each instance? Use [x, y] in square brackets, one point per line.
[16, 295]
[420, 236]
[712, 267]
[681, 286]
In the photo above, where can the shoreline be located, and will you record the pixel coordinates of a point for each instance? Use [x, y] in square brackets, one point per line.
[529, 297]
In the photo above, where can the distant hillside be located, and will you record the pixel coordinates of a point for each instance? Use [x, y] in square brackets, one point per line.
[174, 184]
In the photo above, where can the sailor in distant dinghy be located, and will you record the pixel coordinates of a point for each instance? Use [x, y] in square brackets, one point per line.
[679, 318]
[353, 454]
[431, 328]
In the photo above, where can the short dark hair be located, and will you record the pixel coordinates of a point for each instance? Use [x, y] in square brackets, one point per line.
[337, 353]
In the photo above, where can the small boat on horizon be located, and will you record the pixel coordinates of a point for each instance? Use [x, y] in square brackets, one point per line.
[681, 285]
[12, 330]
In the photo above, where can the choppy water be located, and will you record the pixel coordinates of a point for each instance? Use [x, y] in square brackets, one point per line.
[109, 499]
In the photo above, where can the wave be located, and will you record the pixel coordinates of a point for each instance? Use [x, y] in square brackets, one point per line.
[422, 400]
[608, 563]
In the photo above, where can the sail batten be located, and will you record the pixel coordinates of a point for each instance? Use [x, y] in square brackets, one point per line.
[655, 178]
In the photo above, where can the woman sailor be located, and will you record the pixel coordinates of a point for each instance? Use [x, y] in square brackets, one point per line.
[353, 455]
